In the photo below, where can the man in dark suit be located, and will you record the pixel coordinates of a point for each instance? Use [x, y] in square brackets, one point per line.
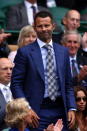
[22, 14]
[72, 40]
[42, 76]
[5, 93]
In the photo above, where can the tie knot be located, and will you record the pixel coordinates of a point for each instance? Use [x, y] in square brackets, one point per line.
[73, 61]
[48, 47]
[33, 7]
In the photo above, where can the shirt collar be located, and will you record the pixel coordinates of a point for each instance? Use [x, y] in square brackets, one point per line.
[2, 85]
[85, 49]
[41, 43]
[28, 4]
[73, 58]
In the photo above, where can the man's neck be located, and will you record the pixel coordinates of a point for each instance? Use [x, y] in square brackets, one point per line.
[4, 83]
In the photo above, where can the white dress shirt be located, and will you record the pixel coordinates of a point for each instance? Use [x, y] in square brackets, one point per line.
[51, 3]
[44, 54]
[30, 11]
[5, 89]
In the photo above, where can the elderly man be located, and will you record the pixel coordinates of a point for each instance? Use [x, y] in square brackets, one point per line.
[71, 20]
[72, 40]
[5, 93]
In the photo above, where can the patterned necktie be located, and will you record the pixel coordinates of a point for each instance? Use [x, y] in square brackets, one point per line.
[74, 70]
[51, 75]
[34, 10]
[8, 95]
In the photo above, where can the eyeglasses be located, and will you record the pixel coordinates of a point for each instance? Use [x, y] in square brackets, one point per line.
[78, 99]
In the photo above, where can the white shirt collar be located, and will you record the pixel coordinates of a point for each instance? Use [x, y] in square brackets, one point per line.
[2, 85]
[28, 4]
[41, 43]
[85, 49]
[73, 58]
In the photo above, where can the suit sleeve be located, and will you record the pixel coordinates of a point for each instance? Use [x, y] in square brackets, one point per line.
[18, 75]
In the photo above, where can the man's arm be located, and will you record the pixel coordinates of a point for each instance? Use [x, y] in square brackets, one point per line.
[3, 36]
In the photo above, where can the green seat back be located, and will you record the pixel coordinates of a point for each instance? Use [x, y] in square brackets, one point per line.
[7, 3]
[83, 27]
[83, 11]
[58, 13]
[2, 19]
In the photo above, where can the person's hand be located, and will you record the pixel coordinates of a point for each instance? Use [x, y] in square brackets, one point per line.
[50, 127]
[71, 119]
[3, 36]
[32, 119]
[59, 125]
[84, 40]
[83, 73]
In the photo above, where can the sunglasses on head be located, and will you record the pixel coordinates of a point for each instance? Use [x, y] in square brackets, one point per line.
[81, 98]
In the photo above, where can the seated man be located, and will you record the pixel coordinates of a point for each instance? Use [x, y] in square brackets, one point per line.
[5, 93]
[72, 40]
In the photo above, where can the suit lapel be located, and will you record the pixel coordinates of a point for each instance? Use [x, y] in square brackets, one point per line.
[37, 57]
[2, 99]
[59, 59]
[24, 13]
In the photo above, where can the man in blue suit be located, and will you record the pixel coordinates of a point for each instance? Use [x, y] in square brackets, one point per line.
[30, 79]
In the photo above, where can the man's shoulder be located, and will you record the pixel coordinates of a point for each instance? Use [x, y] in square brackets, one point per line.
[29, 46]
[61, 47]
[41, 8]
[17, 6]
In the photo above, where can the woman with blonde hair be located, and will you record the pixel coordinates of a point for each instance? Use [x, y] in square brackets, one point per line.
[27, 35]
[16, 112]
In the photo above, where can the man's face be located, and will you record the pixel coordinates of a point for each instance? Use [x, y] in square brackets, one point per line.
[44, 28]
[72, 21]
[5, 70]
[72, 44]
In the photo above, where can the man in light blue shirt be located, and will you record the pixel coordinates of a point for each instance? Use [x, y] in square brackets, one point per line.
[42, 76]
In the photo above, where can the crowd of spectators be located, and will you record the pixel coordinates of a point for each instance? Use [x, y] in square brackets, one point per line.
[21, 17]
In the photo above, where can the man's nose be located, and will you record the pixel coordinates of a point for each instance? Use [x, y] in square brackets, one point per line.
[75, 22]
[43, 28]
[9, 70]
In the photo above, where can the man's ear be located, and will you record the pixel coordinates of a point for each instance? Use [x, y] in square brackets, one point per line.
[54, 26]
[64, 21]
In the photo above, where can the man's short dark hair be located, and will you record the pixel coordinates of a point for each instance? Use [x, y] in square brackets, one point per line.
[43, 14]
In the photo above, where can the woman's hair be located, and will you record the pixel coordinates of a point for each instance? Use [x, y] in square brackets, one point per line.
[79, 88]
[25, 31]
[76, 90]
[67, 33]
[81, 117]
[16, 110]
